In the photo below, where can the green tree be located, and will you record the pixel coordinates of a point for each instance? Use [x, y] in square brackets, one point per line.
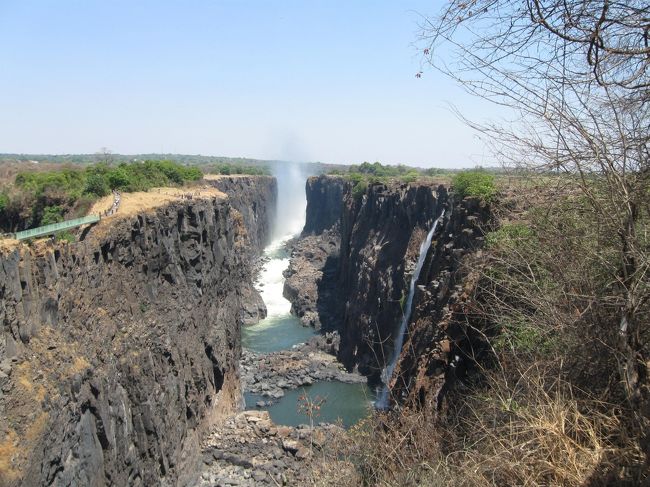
[52, 214]
[97, 185]
[118, 178]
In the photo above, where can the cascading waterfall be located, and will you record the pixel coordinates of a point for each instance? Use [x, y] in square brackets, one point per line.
[382, 400]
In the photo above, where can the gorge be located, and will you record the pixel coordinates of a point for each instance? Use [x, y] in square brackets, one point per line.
[120, 352]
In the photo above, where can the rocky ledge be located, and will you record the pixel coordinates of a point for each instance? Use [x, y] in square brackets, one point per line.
[309, 283]
[270, 374]
[248, 449]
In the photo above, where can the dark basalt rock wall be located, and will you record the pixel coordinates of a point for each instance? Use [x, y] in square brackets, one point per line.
[369, 274]
[116, 352]
[381, 232]
[445, 334]
[310, 281]
[255, 198]
[324, 203]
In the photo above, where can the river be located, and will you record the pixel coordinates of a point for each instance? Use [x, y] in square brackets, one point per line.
[280, 330]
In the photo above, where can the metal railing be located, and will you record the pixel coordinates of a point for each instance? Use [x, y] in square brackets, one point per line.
[56, 227]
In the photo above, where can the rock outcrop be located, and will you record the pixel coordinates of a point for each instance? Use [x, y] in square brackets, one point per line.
[249, 450]
[119, 350]
[445, 332]
[324, 203]
[381, 232]
[310, 282]
[255, 198]
[305, 364]
[310, 279]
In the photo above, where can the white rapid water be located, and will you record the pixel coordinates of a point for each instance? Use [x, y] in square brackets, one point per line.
[271, 281]
[290, 218]
[382, 400]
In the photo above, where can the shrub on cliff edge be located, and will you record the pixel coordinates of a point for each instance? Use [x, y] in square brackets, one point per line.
[478, 184]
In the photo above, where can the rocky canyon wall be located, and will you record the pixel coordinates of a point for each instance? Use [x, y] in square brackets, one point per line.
[118, 350]
[324, 203]
[379, 234]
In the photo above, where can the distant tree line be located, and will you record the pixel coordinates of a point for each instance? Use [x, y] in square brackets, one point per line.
[367, 173]
[227, 168]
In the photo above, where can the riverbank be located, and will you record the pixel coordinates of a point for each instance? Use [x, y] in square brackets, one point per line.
[269, 375]
[248, 449]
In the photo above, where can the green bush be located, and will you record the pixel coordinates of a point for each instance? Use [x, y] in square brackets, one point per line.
[226, 169]
[51, 196]
[97, 184]
[478, 184]
[65, 237]
[410, 177]
[359, 189]
[52, 214]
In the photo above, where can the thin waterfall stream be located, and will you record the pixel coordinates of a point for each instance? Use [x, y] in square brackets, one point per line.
[382, 400]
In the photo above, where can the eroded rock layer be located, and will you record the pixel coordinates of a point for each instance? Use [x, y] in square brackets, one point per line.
[119, 350]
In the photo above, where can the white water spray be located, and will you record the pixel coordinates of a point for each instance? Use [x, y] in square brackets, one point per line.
[382, 400]
[292, 200]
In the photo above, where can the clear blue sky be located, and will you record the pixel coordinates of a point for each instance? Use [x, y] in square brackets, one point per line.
[326, 80]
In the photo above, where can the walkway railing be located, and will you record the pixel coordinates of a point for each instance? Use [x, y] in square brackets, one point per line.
[56, 227]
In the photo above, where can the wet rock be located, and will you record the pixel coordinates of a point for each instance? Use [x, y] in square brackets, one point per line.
[270, 374]
[253, 307]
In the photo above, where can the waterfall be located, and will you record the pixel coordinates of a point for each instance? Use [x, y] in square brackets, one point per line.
[382, 400]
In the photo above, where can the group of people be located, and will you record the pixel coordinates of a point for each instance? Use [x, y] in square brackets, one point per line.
[116, 203]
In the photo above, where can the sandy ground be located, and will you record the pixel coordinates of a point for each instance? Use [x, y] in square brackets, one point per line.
[133, 203]
[8, 244]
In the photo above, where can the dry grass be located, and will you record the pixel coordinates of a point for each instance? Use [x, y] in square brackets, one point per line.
[8, 245]
[8, 452]
[535, 432]
[134, 203]
[531, 432]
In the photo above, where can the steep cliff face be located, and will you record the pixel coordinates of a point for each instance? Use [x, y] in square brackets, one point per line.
[118, 350]
[363, 287]
[380, 235]
[445, 334]
[324, 203]
[255, 198]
